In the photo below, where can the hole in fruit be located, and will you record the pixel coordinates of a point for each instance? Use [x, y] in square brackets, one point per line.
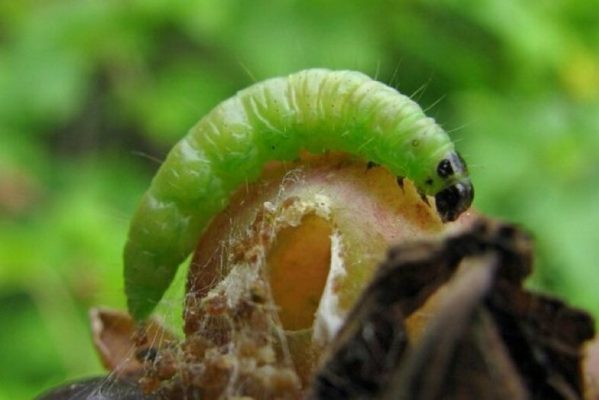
[299, 263]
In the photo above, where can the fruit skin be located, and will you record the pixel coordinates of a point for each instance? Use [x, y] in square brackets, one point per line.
[315, 109]
[313, 200]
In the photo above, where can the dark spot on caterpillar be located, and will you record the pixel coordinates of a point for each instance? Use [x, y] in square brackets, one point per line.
[371, 164]
[429, 181]
[444, 169]
[424, 198]
[400, 181]
[452, 165]
[415, 142]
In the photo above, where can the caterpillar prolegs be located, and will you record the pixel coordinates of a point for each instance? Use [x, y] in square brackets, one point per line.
[315, 110]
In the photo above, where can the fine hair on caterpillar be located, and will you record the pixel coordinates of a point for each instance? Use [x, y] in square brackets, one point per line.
[314, 110]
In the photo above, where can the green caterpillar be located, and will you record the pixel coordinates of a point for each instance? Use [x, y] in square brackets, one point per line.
[316, 110]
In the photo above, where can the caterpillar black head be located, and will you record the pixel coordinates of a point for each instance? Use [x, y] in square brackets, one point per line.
[457, 197]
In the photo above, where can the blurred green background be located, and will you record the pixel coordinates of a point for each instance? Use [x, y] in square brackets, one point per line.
[94, 93]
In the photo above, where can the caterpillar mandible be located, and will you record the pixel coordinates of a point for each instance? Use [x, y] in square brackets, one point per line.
[314, 109]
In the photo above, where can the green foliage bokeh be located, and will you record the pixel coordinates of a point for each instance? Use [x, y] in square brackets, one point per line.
[94, 93]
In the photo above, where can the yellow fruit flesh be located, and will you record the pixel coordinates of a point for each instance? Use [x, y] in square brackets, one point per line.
[298, 265]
